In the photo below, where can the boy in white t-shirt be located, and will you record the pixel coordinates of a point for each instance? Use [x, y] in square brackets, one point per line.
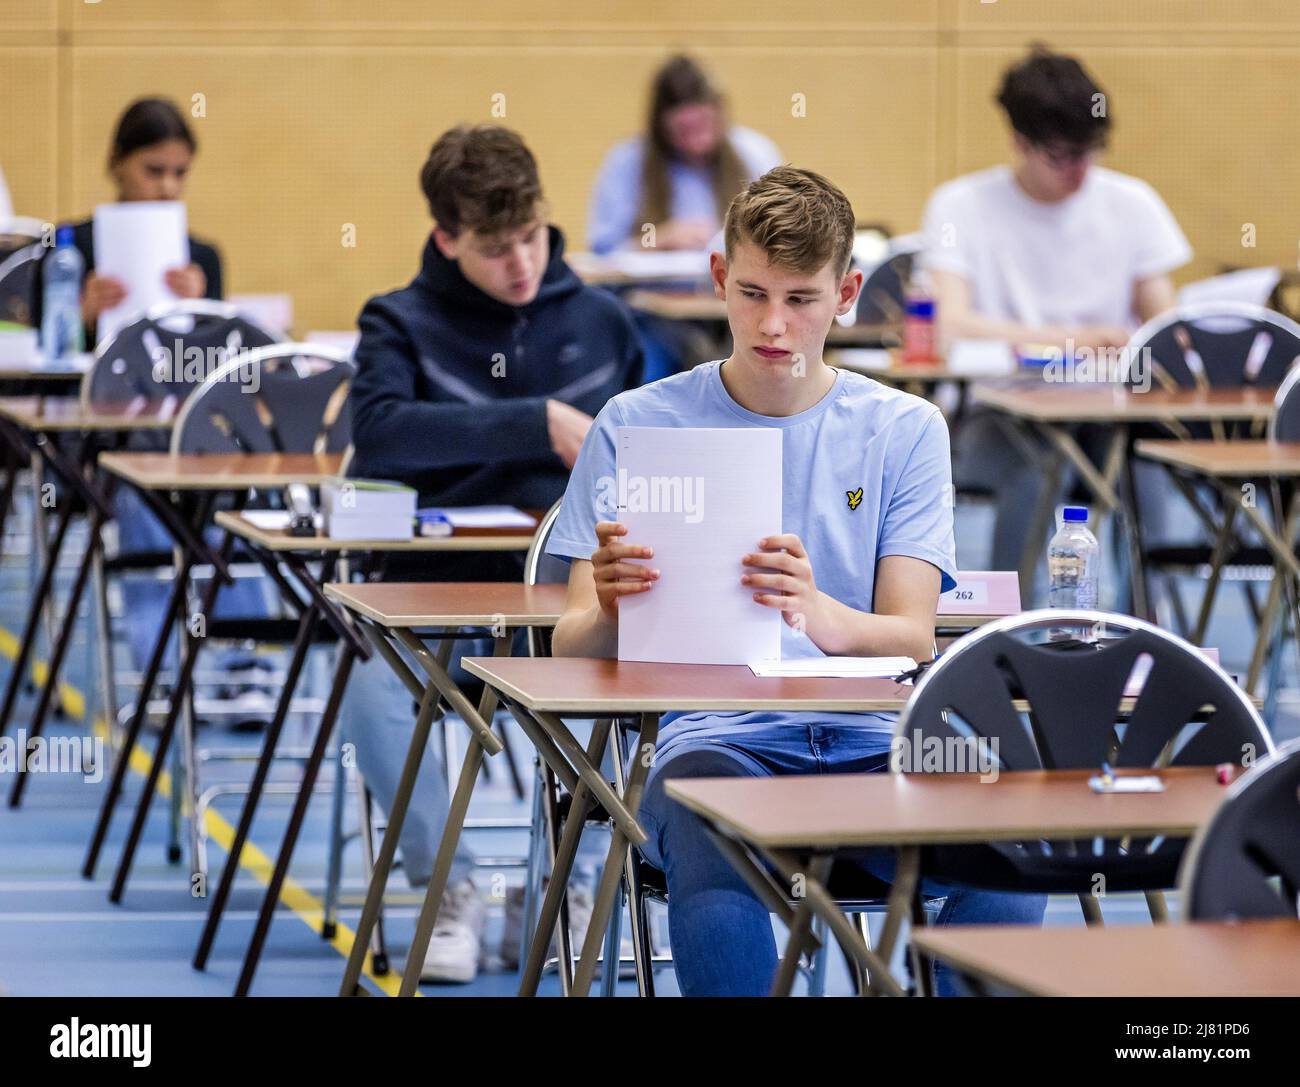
[1052, 249]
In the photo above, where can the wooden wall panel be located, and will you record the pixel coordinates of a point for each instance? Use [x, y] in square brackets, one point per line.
[319, 112]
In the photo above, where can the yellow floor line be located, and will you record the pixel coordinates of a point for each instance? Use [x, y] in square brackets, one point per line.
[309, 909]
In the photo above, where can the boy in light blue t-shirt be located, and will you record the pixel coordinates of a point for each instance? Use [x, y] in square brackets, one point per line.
[865, 549]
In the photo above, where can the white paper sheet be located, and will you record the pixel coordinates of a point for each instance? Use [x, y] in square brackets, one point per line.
[487, 517]
[835, 667]
[660, 263]
[137, 243]
[702, 498]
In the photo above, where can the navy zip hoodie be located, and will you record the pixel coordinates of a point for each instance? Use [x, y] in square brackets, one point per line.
[451, 389]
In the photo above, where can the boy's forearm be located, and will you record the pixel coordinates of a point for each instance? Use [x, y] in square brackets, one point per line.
[842, 631]
[585, 633]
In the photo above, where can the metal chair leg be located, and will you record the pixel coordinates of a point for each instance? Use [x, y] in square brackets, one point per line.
[534, 872]
[378, 944]
[334, 864]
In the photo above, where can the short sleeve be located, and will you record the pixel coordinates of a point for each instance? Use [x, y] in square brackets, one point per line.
[591, 495]
[1160, 243]
[945, 236]
[918, 520]
[615, 199]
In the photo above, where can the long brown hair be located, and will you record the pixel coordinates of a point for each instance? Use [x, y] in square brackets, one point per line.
[682, 82]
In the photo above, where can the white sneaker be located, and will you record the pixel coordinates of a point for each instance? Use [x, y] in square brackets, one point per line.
[581, 902]
[454, 945]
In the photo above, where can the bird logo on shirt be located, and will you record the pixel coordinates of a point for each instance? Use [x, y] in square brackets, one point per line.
[855, 498]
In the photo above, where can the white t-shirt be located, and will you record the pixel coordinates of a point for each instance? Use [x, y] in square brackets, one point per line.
[1070, 263]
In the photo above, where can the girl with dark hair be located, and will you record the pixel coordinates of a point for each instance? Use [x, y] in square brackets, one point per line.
[680, 176]
[150, 159]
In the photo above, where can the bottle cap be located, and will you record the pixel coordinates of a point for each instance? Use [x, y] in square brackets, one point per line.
[63, 236]
[920, 307]
[1075, 513]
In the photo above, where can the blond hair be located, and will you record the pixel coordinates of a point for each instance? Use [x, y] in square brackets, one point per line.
[798, 218]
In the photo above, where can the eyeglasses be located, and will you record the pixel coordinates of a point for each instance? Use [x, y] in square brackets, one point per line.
[1060, 156]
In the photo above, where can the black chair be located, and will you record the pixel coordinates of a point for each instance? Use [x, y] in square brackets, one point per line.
[1212, 345]
[1187, 713]
[18, 283]
[884, 290]
[1245, 862]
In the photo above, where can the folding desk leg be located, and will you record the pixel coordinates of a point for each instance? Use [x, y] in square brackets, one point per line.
[612, 872]
[300, 804]
[302, 642]
[393, 830]
[800, 925]
[1222, 542]
[179, 695]
[123, 761]
[60, 649]
[35, 609]
[1038, 524]
[579, 804]
[451, 833]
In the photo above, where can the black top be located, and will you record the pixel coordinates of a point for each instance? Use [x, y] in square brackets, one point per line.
[451, 390]
[83, 237]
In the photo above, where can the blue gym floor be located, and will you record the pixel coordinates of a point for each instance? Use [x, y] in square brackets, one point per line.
[60, 935]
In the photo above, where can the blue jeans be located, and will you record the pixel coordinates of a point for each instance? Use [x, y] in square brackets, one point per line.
[721, 933]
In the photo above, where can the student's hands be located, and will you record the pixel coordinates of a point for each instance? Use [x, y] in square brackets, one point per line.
[567, 427]
[684, 234]
[615, 576]
[782, 577]
[186, 282]
[99, 293]
[1099, 336]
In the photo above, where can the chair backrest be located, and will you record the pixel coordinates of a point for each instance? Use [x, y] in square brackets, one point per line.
[1224, 344]
[18, 284]
[1187, 712]
[543, 569]
[284, 398]
[1245, 862]
[884, 290]
[1284, 423]
[170, 351]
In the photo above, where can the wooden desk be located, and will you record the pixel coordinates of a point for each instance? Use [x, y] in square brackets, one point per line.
[1054, 411]
[539, 690]
[1217, 959]
[220, 471]
[279, 540]
[29, 427]
[382, 612]
[1229, 467]
[389, 614]
[181, 489]
[780, 821]
[54, 415]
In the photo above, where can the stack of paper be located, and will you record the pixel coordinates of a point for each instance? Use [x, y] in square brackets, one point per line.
[367, 509]
[835, 667]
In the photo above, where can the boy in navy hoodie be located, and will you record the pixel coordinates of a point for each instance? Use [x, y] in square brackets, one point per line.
[476, 384]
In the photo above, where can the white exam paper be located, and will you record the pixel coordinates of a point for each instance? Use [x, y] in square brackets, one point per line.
[835, 667]
[137, 243]
[702, 498]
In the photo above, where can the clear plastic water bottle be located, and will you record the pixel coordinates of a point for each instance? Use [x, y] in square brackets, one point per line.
[61, 332]
[1073, 558]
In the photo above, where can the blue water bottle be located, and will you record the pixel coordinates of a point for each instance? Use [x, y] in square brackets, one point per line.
[61, 332]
